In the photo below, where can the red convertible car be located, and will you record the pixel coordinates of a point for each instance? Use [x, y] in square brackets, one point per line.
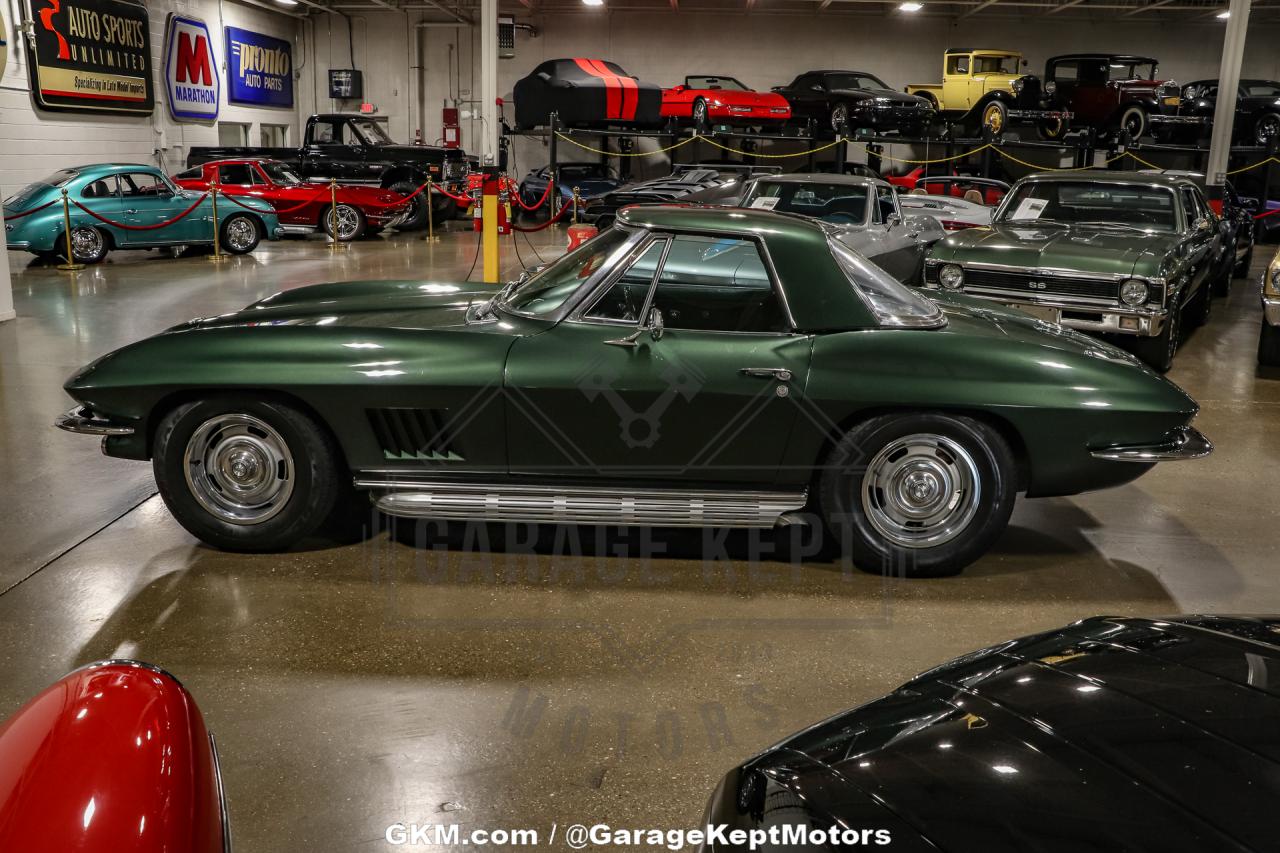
[114, 757]
[301, 207]
[705, 100]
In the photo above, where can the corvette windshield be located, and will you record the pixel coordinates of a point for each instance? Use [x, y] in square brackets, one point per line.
[726, 83]
[854, 81]
[546, 290]
[280, 174]
[1149, 208]
[841, 204]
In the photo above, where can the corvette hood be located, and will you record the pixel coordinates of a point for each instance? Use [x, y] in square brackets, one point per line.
[886, 96]
[1105, 251]
[364, 304]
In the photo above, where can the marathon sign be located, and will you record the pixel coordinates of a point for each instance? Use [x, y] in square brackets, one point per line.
[91, 56]
[191, 70]
[259, 69]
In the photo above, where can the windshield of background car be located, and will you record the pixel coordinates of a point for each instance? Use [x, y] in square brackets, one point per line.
[1150, 208]
[854, 81]
[1132, 70]
[372, 132]
[726, 83]
[893, 303]
[840, 204]
[995, 64]
[546, 290]
[280, 174]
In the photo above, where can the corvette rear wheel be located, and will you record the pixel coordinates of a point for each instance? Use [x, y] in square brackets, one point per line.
[247, 475]
[918, 494]
[351, 222]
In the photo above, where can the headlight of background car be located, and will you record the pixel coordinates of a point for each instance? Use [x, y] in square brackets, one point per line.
[951, 277]
[1017, 86]
[1051, 87]
[1133, 292]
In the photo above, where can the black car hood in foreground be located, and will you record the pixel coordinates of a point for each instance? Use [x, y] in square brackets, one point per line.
[1108, 735]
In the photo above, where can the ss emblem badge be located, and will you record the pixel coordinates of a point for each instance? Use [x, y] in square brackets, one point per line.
[1037, 285]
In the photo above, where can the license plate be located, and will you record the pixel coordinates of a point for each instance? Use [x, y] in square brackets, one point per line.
[1041, 312]
[1172, 102]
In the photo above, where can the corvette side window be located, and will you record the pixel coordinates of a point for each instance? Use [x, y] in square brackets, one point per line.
[715, 284]
[624, 300]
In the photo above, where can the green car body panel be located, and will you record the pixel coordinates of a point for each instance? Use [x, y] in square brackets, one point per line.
[547, 398]
[41, 231]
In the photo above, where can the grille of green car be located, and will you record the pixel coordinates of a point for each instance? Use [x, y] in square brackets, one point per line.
[1064, 285]
[412, 434]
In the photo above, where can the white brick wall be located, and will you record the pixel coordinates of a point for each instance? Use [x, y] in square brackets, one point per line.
[34, 142]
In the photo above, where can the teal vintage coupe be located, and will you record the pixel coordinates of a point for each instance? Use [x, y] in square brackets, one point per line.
[126, 206]
[688, 366]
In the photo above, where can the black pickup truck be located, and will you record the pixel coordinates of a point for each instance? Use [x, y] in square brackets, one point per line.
[357, 149]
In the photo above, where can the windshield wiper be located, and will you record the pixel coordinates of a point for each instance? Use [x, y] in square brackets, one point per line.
[1102, 223]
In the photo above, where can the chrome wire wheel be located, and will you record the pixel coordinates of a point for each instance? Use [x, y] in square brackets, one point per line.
[348, 221]
[921, 490]
[1268, 128]
[993, 118]
[239, 469]
[241, 233]
[840, 117]
[86, 243]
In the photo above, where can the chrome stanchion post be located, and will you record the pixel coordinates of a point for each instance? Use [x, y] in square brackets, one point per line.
[70, 265]
[431, 215]
[576, 199]
[218, 255]
[335, 244]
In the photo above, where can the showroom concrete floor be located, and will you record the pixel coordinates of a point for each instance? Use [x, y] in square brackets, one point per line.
[353, 687]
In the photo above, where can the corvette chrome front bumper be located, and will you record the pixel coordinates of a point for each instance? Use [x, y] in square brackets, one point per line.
[1181, 443]
[81, 420]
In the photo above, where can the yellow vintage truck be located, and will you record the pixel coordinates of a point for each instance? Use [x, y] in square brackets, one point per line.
[985, 88]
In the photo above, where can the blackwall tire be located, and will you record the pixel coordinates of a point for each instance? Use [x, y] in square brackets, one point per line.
[1269, 345]
[416, 218]
[1158, 352]
[1241, 269]
[951, 476]
[247, 475]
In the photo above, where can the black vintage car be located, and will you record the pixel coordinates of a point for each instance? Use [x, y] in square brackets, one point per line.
[357, 149]
[1257, 119]
[844, 101]
[684, 181]
[1109, 734]
[589, 93]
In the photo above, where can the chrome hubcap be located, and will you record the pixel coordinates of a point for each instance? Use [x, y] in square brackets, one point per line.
[993, 119]
[240, 233]
[839, 117]
[348, 219]
[1267, 129]
[921, 490]
[239, 468]
[86, 242]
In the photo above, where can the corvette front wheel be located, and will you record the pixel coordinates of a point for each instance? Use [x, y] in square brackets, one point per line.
[247, 475]
[918, 494]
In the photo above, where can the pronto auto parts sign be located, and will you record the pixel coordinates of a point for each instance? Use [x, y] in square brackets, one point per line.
[91, 55]
[190, 69]
[259, 69]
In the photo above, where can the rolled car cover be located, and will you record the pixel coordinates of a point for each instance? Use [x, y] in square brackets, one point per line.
[586, 91]
[114, 756]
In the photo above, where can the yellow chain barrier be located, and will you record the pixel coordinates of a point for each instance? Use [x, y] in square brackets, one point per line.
[1261, 162]
[573, 141]
[830, 145]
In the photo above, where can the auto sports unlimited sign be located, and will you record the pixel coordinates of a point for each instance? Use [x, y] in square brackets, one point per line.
[259, 69]
[190, 69]
[92, 56]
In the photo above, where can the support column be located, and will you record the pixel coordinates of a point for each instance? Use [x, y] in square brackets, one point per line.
[6, 291]
[1224, 112]
[489, 134]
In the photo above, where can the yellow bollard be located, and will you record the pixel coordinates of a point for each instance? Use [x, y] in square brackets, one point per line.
[335, 244]
[70, 265]
[431, 226]
[218, 255]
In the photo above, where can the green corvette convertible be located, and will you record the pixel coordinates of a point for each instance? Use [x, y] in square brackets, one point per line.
[686, 367]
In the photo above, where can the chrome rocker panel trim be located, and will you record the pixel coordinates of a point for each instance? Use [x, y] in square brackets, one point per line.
[81, 420]
[582, 504]
[1181, 443]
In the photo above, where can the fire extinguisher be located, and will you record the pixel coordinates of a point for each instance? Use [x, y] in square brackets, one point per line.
[475, 191]
[504, 205]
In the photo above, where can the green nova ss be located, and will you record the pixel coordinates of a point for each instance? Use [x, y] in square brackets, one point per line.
[686, 367]
[1129, 254]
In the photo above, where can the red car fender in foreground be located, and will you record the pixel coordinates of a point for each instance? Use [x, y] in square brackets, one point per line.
[113, 758]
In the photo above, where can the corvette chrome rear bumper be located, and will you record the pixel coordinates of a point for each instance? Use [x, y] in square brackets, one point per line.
[1182, 443]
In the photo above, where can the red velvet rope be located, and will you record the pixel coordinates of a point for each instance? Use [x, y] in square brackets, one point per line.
[31, 211]
[164, 224]
[551, 221]
[515, 193]
[1268, 213]
[460, 199]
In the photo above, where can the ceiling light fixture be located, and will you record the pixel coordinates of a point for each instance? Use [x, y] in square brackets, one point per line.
[287, 2]
[1222, 16]
[592, 2]
[910, 6]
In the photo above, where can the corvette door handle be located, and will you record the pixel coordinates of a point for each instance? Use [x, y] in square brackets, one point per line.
[781, 374]
[132, 210]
